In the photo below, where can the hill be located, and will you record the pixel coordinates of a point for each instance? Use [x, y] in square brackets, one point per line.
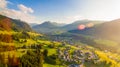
[108, 30]
[9, 24]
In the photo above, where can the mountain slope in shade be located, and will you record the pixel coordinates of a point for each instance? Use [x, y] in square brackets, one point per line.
[12, 24]
[108, 30]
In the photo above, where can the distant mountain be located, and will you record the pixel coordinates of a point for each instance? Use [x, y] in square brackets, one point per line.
[45, 24]
[108, 30]
[52, 27]
[75, 24]
[49, 24]
[12, 24]
[33, 24]
[59, 24]
[48, 27]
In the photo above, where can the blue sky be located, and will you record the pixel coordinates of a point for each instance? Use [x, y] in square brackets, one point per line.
[61, 11]
[49, 7]
[50, 10]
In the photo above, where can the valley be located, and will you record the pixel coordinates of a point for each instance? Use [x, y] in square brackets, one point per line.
[22, 46]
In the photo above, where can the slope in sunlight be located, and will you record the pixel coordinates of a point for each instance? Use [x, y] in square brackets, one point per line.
[12, 24]
[108, 30]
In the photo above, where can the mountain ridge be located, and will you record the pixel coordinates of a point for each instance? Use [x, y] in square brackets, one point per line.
[8, 24]
[49, 27]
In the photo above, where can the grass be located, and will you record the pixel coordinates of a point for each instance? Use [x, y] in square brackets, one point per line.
[29, 42]
[34, 34]
[51, 51]
[105, 57]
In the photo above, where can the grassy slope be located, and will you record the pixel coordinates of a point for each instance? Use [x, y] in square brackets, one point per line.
[104, 56]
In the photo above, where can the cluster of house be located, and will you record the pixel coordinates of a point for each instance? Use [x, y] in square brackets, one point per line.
[67, 40]
[77, 56]
[76, 65]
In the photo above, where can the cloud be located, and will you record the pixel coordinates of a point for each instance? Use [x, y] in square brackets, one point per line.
[3, 4]
[25, 9]
[24, 13]
[18, 15]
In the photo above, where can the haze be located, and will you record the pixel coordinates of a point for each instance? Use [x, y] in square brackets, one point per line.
[61, 11]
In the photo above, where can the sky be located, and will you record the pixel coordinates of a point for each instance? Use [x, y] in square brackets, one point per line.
[60, 11]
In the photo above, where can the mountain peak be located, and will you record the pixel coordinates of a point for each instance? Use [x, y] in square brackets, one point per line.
[47, 22]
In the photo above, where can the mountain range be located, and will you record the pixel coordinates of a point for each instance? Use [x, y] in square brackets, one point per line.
[51, 27]
[101, 29]
[48, 27]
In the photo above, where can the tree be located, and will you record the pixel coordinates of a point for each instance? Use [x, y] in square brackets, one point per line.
[32, 59]
[25, 35]
[13, 61]
[2, 60]
[40, 58]
[6, 38]
[45, 52]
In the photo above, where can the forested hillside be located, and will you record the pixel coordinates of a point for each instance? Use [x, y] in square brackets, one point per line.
[9, 24]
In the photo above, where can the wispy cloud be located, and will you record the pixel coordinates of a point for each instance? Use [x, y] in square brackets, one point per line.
[24, 12]
[25, 9]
